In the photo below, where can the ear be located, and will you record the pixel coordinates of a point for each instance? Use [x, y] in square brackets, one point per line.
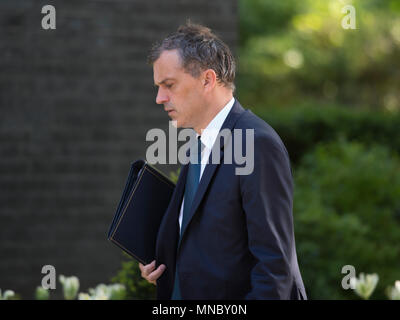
[209, 79]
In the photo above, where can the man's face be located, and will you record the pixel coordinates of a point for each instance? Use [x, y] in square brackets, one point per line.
[179, 92]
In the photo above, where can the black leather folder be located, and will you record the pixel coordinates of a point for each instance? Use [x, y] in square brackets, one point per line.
[142, 206]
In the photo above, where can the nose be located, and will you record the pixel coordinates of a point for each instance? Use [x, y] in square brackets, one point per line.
[162, 97]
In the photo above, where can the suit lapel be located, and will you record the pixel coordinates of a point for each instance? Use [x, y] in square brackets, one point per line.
[210, 168]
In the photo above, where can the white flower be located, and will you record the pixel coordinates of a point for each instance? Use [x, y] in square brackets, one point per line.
[70, 286]
[117, 291]
[101, 295]
[394, 292]
[364, 285]
[104, 292]
[101, 292]
[397, 285]
[84, 296]
[7, 295]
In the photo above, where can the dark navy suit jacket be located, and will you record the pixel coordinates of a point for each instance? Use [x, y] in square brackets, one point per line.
[239, 242]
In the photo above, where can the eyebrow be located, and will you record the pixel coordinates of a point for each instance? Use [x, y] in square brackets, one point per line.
[165, 80]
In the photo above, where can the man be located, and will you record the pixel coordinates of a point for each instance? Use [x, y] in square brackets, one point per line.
[233, 238]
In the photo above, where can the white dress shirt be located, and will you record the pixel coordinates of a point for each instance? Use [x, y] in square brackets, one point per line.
[208, 137]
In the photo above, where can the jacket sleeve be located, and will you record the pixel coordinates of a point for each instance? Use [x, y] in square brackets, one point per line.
[267, 198]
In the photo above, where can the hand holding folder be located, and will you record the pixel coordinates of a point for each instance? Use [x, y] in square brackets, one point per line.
[137, 219]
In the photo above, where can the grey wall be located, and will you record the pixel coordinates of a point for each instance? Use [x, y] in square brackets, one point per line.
[75, 106]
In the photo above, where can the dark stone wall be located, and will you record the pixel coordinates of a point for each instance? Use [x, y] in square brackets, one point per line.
[75, 106]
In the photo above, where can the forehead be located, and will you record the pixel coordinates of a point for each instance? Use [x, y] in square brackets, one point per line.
[168, 65]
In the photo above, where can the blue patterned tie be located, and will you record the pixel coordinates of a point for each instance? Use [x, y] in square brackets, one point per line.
[192, 182]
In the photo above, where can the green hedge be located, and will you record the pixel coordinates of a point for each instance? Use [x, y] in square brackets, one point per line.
[303, 127]
[347, 212]
[136, 286]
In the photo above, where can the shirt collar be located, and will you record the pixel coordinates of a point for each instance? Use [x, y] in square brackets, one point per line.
[210, 133]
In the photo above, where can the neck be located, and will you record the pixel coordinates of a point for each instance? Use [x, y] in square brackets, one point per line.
[211, 110]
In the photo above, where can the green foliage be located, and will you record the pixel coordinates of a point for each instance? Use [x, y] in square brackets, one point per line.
[260, 17]
[42, 293]
[303, 127]
[298, 51]
[136, 286]
[347, 212]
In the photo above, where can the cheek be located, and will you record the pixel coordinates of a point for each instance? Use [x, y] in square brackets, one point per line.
[188, 101]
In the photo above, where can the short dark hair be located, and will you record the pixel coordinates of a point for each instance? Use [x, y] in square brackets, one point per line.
[199, 49]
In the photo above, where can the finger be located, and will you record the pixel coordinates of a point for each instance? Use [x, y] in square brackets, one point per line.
[152, 277]
[148, 268]
[157, 273]
[141, 267]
